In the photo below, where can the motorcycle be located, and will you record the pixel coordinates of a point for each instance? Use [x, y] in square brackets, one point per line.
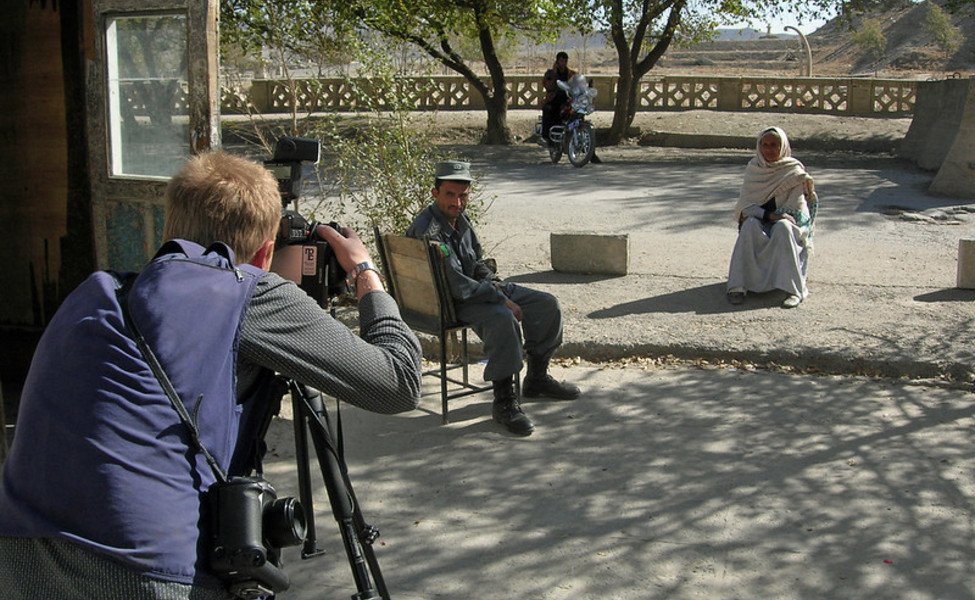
[575, 136]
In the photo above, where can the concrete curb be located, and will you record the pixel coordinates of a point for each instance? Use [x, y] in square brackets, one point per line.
[825, 362]
[868, 145]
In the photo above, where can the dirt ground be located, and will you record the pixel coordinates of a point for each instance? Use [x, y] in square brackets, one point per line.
[650, 128]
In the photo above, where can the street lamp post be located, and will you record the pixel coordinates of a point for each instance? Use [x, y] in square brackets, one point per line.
[805, 43]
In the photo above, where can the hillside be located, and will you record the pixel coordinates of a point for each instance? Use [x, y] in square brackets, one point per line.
[911, 51]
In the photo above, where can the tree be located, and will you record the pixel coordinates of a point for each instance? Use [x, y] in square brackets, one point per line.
[946, 36]
[871, 38]
[289, 30]
[280, 34]
[375, 170]
[440, 28]
[642, 31]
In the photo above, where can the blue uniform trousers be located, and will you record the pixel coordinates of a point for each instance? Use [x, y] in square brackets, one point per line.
[497, 327]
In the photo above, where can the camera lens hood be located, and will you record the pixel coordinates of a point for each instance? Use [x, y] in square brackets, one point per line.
[284, 523]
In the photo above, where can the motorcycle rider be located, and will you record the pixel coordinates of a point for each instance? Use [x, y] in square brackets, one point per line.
[555, 97]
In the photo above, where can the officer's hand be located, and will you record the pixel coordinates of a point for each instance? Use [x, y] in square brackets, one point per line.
[514, 308]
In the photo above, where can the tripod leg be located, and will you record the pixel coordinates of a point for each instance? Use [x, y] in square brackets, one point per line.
[310, 546]
[357, 537]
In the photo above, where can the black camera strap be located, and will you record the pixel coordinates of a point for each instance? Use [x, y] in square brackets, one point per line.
[164, 382]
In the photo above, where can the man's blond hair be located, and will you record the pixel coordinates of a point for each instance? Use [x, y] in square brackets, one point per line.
[218, 197]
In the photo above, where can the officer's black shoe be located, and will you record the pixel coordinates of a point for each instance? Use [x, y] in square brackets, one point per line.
[546, 385]
[507, 411]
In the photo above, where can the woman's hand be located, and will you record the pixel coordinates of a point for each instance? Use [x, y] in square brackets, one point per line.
[782, 217]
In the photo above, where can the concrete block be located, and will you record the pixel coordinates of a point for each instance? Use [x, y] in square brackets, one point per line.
[589, 253]
[966, 264]
[956, 177]
[942, 135]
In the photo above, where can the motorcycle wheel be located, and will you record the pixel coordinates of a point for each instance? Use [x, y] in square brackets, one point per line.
[582, 145]
[555, 152]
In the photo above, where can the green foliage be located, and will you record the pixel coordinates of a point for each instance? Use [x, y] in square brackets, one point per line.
[381, 172]
[269, 37]
[871, 38]
[380, 175]
[456, 20]
[377, 166]
[452, 32]
[275, 34]
[946, 36]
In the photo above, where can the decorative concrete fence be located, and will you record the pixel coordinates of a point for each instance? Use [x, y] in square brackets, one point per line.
[846, 96]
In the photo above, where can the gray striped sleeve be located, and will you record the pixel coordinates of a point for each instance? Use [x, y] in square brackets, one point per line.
[286, 331]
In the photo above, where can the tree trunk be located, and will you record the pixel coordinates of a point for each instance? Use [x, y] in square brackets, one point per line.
[497, 121]
[632, 69]
[622, 111]
[497, 102]
[632, 102]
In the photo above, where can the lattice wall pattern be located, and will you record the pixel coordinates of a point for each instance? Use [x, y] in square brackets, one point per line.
[682, 94]
[820, 95]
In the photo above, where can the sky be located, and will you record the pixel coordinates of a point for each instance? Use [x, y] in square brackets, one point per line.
[779, 23]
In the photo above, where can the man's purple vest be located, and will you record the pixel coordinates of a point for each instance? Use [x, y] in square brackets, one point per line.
[100, 456]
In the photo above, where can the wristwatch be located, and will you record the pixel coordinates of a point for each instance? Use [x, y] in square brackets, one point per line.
[350, 279]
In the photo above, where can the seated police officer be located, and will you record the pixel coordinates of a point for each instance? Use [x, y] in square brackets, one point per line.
[492, 307]
[101, 491]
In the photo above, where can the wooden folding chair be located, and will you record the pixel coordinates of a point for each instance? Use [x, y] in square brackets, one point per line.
[417, 279]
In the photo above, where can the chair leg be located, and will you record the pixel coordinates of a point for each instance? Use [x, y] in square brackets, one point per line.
[443, 377]
[464, 357]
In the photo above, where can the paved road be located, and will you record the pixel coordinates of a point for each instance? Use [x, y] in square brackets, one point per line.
[669, 481]
[665, 483]
[882, 279]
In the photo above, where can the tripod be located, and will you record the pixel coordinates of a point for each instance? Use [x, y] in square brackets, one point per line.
[311, 421]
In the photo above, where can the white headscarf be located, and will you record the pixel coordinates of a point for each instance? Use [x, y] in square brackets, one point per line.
[781, 179]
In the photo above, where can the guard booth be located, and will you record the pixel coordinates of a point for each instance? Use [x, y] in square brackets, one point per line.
[103, 100]
[155, 101]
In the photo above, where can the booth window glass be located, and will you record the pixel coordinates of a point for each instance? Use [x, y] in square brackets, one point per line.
[148, 117]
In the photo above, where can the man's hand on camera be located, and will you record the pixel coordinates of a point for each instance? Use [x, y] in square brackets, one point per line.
[350, 251]
[348, 248]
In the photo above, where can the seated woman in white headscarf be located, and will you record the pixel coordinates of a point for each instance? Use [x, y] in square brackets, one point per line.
[774, 223]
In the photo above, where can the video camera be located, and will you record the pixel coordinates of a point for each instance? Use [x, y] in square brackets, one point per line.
[299, 254]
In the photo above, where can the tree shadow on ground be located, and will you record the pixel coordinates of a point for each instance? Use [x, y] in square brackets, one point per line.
[702, 300]
[672, 484]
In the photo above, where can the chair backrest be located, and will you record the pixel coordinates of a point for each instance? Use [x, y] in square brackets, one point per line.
[417, 280]
[812, 201]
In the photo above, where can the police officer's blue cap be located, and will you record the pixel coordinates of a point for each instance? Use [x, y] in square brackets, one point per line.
[454, 170]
